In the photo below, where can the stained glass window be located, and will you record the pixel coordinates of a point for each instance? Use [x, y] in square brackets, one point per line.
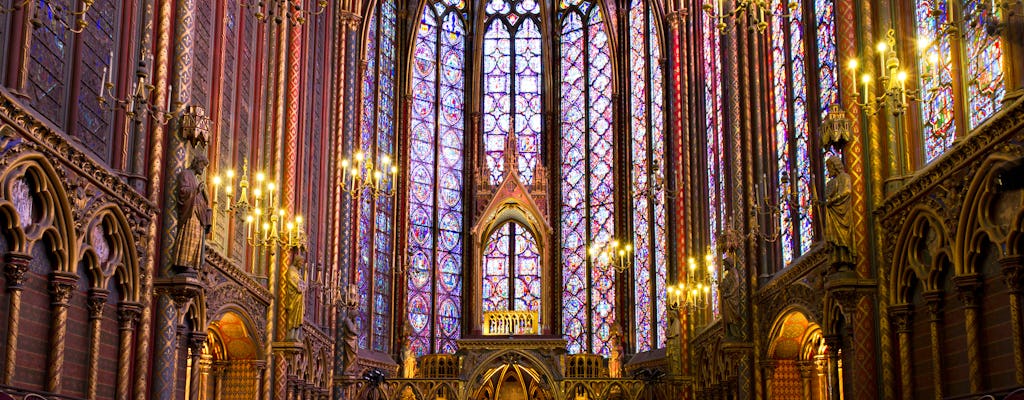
[937, 90]
[512, 85]
[647, 151]
[436, 180]
[713, 123]
[375, 217]
[588, 206]
[511, 270]
[792, 148]
[828, 69]
[985, 88]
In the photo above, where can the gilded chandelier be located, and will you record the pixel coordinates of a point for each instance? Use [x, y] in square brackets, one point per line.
[266, 224]
[895, 95]
[759, 11]
[614, 254]
[361, 174]
[695, 292]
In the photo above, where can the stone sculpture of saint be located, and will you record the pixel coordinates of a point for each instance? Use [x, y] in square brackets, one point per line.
[294, 299]
[349, 340]
[838, 231]
[615, 349]
[408, 356]
[194, 216]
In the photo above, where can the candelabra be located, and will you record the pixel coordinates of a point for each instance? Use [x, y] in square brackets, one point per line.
[695, 292]
[70, 18]
[137, 104]
[895, 96]
[280, 9]
[266, 224]
[758, 10]
[614, 254]
[360, 174]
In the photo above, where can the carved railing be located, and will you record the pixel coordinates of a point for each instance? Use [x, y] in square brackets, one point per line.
[511, 323]
[435, 366]
[585, 366]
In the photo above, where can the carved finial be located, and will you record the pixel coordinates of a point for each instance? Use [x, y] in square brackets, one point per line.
[511, 152]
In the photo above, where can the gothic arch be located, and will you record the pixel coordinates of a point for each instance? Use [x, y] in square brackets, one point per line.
[908, 264]
[55, 220]
[121, 262]
[236, 312]
[547, 375]
[978, 217]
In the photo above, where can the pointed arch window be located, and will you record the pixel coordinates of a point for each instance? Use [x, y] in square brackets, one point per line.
[790, 50]
[436, 179]
[647, 153]
[714, 136]
[375, 216]
[512, 85]
[587, 181]
[511, 270]
[981, 72]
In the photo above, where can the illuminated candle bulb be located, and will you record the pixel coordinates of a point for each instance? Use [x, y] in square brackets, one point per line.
[385, 159]
[882, 47]
[170, 92]
[103, 82]
[866, 79]
[260, 177]
[248, 225]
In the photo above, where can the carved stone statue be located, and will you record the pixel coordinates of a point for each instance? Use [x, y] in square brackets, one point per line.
[349, 340]
[838, 230]
[615, 347]
[293, 300]
[194, 216]
[731, 302]
[408, 356]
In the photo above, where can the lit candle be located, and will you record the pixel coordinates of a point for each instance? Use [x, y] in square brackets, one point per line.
[170, 91]
[882, 47]
[103, 82]
[866, 79]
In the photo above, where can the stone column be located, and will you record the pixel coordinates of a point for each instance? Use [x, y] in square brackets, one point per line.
[833, 343]
[196, 340]
[967, 290]
[173, 297]
[127, 318]
[901, 317]
[933, 299]
[261, 373]
[806, 369]
[62, 285]
[820, 368]
[1013, 278]
[218, 371]
[15, 266]
[768, 368]
[97, 300]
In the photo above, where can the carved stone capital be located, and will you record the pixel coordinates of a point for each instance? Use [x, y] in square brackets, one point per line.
[196, 340]
[1013, 273]
[62, 285]
[901, 317]
[933, 299]
[967, 289]
[259, 366]
[15, 266]
[128, 315]
[97, 299]
[181, 289]
[806, 368]
[768, 367]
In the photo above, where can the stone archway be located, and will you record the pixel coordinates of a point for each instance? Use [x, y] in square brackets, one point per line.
[796, 353]
[512, 381]
[231, 360]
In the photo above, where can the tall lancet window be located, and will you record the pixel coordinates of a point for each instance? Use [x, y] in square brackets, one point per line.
[436, 179]
[982, 76]
[375, 215]
[588, 202]
[792, 143]
[512, 85]
[647, 171]
[711, 57]
[511, 271]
